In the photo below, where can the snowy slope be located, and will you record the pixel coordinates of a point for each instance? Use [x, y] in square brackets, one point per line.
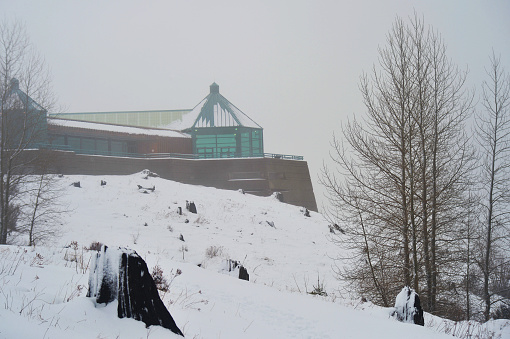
[42, 289]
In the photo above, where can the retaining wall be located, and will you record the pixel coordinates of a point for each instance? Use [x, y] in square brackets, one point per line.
[259, 176]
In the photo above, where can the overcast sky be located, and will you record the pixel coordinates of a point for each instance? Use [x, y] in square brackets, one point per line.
[292, 66]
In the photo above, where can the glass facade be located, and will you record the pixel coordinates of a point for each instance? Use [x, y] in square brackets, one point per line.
[129, 118]
[91, 145]
[228, 142]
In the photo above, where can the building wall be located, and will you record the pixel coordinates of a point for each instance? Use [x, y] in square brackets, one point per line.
[258, 176]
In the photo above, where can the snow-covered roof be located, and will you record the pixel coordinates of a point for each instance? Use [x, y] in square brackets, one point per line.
[117, 128]
[214, 111]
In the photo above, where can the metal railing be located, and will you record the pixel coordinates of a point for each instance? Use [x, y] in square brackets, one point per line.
[165, 155]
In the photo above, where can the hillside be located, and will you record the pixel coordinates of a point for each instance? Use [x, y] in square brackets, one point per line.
[42, 289]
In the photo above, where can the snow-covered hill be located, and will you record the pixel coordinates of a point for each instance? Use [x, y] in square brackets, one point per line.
[42, 289]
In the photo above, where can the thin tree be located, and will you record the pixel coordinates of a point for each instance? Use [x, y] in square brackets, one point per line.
[493, 135]
[25, 97]
[41, 220]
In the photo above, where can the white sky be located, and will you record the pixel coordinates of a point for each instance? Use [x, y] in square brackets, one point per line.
[292, 66]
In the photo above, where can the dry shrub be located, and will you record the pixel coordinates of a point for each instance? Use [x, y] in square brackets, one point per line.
[213, 251]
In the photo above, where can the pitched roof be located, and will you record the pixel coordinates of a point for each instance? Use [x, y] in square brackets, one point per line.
[214, 111]
[15, 96]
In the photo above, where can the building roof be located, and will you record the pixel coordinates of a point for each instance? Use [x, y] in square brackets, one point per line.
[16, 98]
[151, 119]
[214, 111]
[116, 128]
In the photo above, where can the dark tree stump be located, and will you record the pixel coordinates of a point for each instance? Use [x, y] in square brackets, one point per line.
[234, 265]
[123, 275]
[243, 274]
[190, 206]
[408, 307]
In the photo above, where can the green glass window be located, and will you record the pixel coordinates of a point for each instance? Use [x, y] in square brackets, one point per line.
[118, 147]
[88, 144]
[74, 142]
[58, 140]
[102, 146]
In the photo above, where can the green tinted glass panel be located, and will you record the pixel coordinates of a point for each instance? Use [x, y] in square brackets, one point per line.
[88, 144]
[102, 145]
[74, 142]
[58, 140]
[119, 147]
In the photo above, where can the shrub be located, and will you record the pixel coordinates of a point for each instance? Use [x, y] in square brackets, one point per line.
[319, 289]
[213, 251]
[159, 279]
[502, 312]
[95, 246]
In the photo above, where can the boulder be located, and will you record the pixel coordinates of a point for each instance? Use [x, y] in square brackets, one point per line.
[278, 196]
[122, 275]
[190, 206]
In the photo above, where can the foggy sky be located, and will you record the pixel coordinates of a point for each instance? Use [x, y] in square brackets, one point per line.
[292, 66]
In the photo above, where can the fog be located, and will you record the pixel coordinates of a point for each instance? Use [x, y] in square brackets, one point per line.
[292, 66]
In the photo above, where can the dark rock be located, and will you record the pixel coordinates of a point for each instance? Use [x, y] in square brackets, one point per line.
[243, 274]
[181, 237]
[333, 228]
[307, 213]
[190, 206]
[271, 223]
[147, 173]
[152, 189]
[278, 196]
[103, 183]
[123, 275]
[76, 184]
[408, 307]
[179, 210]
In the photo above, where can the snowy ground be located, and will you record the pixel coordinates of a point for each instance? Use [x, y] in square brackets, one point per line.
[42, 289]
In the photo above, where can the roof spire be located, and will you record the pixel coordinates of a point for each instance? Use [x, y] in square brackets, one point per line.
[215, 88]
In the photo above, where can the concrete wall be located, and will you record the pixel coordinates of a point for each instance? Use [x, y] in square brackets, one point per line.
[259, 176]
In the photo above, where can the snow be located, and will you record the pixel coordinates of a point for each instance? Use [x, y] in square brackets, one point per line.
[117, 128]
[189, 118]
[106, 263]
[43, 289]
[405, 305]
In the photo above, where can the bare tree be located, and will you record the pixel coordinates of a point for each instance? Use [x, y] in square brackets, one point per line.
[493, 134]
[43, 209]
[405, 170]
[25, 97]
